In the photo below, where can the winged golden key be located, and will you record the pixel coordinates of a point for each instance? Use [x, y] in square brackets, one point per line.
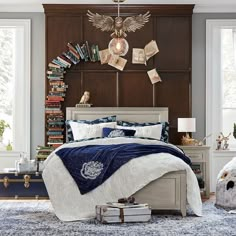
[118, 25]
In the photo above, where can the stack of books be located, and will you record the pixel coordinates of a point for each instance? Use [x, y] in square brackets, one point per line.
[121, 213]
[56, 94]
[57, 87]
[42, 152]
[84, 52]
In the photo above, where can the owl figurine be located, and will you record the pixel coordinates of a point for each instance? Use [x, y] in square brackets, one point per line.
[85, 98]
[118, 25]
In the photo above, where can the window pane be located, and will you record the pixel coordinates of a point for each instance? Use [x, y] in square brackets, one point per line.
[229, 68]
[7, 78]
[229, 118]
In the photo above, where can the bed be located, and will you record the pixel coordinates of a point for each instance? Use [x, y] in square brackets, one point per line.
[166, 189]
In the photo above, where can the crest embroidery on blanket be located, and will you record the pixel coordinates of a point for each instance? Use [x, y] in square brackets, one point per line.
[116, 133]
[91, 170]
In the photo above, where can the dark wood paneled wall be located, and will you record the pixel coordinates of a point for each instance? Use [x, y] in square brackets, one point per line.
[170, 26]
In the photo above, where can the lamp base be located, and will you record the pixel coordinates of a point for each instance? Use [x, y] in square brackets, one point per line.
[188, 141]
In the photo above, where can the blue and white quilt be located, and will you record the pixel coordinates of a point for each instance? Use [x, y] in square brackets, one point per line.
[70, 205]
[91, 165]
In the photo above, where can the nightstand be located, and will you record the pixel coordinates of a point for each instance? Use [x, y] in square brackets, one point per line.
[199, 156]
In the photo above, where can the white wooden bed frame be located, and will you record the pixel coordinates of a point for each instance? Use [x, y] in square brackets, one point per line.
[166, 193]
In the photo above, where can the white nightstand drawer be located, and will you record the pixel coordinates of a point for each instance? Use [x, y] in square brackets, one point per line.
[195, 156]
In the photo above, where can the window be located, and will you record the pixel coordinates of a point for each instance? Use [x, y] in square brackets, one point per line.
[221, 79]
[15, 83]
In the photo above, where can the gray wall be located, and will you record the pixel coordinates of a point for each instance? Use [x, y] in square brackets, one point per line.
[38, 68]
[199, 67]
[37, 74]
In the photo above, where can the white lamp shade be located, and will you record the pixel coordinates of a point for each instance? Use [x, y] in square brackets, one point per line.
[186, 124]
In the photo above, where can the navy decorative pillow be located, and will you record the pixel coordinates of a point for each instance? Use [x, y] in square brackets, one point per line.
[164, 132]
[111, 133]
[92, 122]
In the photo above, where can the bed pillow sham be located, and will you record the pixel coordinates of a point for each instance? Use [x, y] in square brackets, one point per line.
[148, 132]
[109, 119]
[111, 133]
[87, 131]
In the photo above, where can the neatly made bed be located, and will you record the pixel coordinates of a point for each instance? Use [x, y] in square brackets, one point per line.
[165, 182]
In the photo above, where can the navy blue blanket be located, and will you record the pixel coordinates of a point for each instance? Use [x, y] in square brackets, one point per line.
[91, 165]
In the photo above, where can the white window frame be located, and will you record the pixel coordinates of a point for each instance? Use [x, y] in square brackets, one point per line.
[22, 93]
[213, 77]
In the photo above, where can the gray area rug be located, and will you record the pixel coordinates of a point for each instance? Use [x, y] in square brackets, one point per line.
[37, 218]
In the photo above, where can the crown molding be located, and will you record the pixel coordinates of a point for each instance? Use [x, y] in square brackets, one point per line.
[199, 8]
[216, 8]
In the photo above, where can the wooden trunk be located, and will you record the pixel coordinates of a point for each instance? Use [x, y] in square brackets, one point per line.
[22, 186]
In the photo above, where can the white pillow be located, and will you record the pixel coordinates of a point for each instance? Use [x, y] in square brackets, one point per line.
[150, 131]
[85, 131]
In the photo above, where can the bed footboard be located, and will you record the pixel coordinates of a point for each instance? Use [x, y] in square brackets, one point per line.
[166, 193]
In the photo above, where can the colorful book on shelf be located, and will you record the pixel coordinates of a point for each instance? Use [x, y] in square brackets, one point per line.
[78, 48]
[56, 79]
[84, 50]
[55, 72]
[58, 83]
[55, 98]
[52, 112]
[53, 106]
[56, 93]
[63, 60]
[97, 53]
[52, 65]
[93, 53]
[55, 117]
[88, 50]
[55, 145]
[53, 76]
[54, 132]
[72, 48]
[53, 123]
[55, 129]
[56, 61]
[53, 137]
[52, 102]
[76, 55]
[71, 57]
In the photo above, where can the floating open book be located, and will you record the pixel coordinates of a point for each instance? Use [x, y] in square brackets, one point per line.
[140, 55]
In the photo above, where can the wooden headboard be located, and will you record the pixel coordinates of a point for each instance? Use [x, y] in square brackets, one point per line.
[169, 25]
[137, 114]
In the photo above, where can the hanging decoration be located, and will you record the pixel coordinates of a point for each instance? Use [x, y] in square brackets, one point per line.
[118, 45]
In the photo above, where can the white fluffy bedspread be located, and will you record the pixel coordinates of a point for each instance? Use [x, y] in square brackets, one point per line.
[70, 205]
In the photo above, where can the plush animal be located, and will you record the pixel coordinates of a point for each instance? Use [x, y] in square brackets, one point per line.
[226, 186]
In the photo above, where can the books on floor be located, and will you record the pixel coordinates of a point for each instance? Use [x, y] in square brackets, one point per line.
[121, 213]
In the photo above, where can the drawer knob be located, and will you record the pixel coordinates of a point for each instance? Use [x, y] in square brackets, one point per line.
[27, 181]
[6, 181]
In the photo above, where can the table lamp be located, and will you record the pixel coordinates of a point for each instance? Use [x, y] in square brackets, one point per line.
[187, 125]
